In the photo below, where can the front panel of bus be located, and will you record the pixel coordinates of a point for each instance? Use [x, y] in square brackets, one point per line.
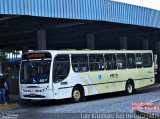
[35, 76]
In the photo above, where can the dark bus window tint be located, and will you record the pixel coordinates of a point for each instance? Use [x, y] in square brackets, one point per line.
[131, 61]
[147, 60]
[110, 62]
[79, 62]
[96, 62]
[61, 67]
[139, 60]
[121, 61]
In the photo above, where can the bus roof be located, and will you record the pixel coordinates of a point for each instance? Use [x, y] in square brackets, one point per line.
[72, 51]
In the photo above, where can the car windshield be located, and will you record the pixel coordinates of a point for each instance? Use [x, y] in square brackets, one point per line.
[35, 72]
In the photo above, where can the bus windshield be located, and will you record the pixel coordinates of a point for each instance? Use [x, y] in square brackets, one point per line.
[35, 71]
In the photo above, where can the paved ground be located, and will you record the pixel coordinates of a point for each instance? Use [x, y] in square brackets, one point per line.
[151, 111]
[115, 105]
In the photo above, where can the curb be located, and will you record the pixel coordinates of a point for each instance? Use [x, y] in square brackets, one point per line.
[10, 106]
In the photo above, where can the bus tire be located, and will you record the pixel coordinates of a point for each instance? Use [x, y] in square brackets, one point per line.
[129, 88]
[77, 94]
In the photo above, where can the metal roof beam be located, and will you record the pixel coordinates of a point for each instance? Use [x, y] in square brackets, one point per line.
[6, 17]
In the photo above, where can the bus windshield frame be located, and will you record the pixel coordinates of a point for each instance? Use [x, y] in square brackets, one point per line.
[35, 71]
[35, 68]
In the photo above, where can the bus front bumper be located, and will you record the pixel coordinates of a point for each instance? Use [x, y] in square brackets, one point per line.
[45, 95]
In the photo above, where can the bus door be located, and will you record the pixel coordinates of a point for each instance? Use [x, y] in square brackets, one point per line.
[61, 68]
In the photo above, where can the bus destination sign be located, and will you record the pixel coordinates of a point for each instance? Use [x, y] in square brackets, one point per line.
[36, 56]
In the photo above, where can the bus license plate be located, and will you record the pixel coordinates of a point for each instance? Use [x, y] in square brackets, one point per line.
[32, 94]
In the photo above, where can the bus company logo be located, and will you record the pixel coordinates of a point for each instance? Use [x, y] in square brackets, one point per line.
[114, 75]
[99, 77]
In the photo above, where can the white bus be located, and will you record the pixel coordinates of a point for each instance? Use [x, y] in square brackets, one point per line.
[59, 74]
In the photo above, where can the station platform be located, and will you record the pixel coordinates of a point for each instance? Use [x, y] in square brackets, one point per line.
[13, 103]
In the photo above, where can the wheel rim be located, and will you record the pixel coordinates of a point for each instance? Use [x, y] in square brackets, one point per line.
[130, 88]
[76, 95]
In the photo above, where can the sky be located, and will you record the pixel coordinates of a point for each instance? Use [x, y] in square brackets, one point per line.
[154, 4]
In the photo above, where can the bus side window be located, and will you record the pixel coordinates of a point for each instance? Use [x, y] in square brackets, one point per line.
[139, 60]
[61, 67]
[131, 61]
[121, 61]
[75, 64]
[96, 62]
[110, 62]
[147, 60]
[79, 62]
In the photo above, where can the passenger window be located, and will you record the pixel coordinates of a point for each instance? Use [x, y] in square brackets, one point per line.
[131, 61]
[121, 61]
[110, 62]
[138, 60]
[61, 67]
[79, 62]
[96, 62]
[147, 60]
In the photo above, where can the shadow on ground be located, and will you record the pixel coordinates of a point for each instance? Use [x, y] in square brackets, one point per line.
[44, 103]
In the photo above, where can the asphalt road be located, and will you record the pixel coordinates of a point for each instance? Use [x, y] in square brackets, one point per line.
[115, 105]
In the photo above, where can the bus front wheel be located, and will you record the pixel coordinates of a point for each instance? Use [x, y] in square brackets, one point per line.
[129, 88]
[77, 95]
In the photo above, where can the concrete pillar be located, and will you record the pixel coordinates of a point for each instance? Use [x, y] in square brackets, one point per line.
[158, 52]
[90, 41]
[145, 44]
[41, 39]
[123, 42]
